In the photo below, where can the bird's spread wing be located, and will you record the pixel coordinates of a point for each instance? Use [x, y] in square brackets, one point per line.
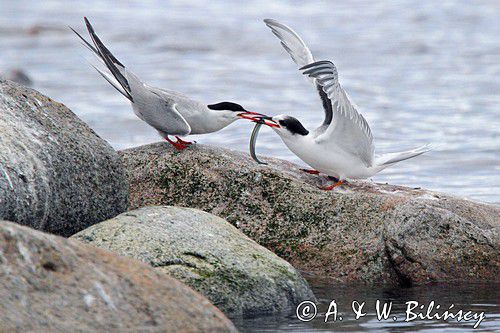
[348, 129]
[291, 42]
[302, 56]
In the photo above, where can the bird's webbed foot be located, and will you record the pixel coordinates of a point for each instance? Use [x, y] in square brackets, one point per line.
[179, 140]
[179, 144]
[331, 187]
[311, 172]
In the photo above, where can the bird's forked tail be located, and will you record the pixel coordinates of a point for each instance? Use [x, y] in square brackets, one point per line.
[388, 159]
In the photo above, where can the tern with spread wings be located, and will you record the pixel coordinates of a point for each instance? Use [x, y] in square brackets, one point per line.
[342, 146]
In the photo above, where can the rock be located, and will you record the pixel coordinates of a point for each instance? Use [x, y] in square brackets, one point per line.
[359, 232]
[236, 274]
[19, 76]
[56, 174]
[49, 283]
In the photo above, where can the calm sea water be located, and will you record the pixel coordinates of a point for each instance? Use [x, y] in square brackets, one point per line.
[420, 71]
[476, 298]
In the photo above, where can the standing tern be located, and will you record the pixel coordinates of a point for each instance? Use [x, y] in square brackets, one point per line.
[342, 146]
[169, 112]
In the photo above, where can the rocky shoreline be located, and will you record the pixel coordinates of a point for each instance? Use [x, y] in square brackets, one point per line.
[363, 232]
[203, 233]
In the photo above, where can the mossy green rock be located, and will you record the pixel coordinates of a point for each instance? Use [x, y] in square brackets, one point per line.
[204, 251]
[361, 232]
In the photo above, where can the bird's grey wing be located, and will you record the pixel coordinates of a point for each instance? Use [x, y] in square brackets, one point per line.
[161, 113]
[302, 56]
[348, 129]
[186, 106]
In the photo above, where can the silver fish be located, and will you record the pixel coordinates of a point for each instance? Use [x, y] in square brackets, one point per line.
[253, 141]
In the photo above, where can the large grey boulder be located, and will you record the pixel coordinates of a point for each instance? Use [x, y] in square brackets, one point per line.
[359, 232]
[239, 276]
[56, 174]
[52, 284]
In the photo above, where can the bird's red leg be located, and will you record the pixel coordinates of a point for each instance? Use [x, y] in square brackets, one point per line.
[179, 140]
[331, 187]
[177, 145]
[312, 172]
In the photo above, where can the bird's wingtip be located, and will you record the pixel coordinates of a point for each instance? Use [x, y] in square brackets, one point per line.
[432, 146]
[272, 23]
[314, 64]
[87, 23]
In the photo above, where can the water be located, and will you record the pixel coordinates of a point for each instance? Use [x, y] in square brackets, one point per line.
[475, 297]
[420, 71]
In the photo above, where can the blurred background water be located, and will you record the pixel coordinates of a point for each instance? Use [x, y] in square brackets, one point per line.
[420, 71]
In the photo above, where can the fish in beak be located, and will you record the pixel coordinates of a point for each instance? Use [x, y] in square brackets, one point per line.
[259, 121]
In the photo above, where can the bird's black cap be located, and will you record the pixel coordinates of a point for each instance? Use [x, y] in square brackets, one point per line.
[228, 106]
[293, 125]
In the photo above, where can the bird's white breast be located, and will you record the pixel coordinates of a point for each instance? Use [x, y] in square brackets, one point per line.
[327, 158]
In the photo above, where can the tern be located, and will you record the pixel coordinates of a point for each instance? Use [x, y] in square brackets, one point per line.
[342, 146]
[170, 113]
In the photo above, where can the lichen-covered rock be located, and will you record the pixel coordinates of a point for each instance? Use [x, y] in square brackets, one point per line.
[52, 284]
[56, 174]
[239, 276]
[359, 232]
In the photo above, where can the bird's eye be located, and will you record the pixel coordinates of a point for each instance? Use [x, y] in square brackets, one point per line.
[282, 122]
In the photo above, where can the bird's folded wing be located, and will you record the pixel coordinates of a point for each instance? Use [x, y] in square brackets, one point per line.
[348, 129]
[163, 115]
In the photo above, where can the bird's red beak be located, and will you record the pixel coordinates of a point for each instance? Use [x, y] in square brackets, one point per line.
[266, 121]
[250, 115]
[259, 118]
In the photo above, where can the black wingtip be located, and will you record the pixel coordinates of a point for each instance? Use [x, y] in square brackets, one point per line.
[108, 58]
[90, 28]
[307, 66]
[314, 64]
[103, 50]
